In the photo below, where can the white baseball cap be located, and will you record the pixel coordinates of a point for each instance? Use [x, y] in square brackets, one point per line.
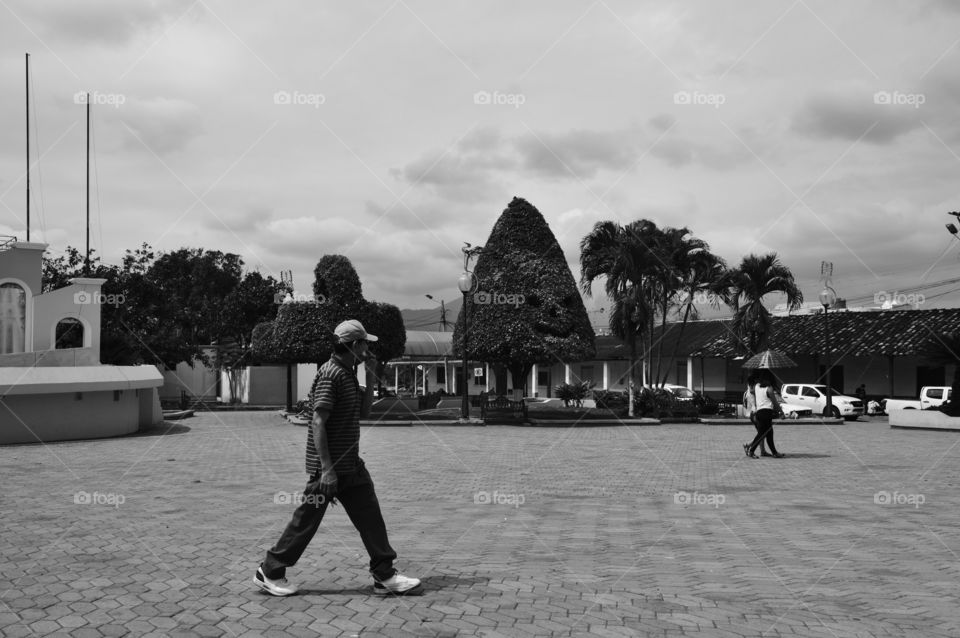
[352, 330]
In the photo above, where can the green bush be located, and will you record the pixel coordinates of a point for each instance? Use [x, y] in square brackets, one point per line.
[573, 392]
[610, 399]
[653, 402]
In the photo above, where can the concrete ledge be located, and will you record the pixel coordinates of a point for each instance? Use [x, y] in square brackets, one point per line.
[923, 420]
[586, 423]
[807, 421]
[42, 380]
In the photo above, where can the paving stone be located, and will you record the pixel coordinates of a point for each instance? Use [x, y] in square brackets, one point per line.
[798, 547]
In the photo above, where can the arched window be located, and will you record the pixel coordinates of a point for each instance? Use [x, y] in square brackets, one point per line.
[69, 334]
[13, 318]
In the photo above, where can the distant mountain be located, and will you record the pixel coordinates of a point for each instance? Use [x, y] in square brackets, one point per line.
[429, 318]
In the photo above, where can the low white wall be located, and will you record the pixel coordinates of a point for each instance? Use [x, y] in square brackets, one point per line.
[923, 419]
[32, 418]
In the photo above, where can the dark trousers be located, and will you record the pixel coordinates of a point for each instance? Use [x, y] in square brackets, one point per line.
[763, 419]
[356, 493]
[756, 424]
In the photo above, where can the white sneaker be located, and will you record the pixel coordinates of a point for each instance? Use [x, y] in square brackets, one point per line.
[398, 584]
[278, 587]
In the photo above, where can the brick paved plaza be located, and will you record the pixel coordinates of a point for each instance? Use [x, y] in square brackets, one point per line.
[611, 531]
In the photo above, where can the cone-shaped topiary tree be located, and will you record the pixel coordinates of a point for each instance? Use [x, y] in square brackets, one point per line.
[527, 308]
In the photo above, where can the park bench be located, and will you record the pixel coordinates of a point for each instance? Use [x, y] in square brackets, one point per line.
[502, 410]
[727, 404]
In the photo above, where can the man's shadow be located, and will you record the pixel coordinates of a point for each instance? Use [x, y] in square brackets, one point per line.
[427, 584]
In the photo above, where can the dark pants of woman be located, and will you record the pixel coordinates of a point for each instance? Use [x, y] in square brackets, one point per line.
[764, 422]
[756, 424]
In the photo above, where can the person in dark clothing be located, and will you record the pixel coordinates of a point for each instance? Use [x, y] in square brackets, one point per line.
[336, 472]
[768, 406]
[750, 405]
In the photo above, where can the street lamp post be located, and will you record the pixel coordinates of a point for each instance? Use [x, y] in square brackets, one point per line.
[443, 313]
[828, 297]
[466, 284]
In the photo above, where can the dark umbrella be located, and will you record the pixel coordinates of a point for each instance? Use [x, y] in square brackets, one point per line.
[769, 359]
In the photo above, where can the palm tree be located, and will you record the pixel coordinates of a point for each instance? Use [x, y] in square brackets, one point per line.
[944, 349]
[702, 276]
[746, 286]
[688, 269]
[625, 258]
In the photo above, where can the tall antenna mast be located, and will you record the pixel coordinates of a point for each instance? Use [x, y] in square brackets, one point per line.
[86, 261]
[28, 145]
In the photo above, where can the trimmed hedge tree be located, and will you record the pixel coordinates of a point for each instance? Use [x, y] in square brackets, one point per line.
[527, 308]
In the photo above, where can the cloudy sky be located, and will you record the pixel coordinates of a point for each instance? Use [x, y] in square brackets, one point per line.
[393, 131]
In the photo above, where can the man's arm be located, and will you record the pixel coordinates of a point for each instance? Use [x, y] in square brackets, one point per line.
[366, 399]
[328, 476]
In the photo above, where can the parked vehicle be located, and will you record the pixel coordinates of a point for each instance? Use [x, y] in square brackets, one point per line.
[931, 396]
[814, 396]
[795, 410]
[682, 393]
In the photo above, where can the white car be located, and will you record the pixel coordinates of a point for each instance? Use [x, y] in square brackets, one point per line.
[795, 410]
[814, 396]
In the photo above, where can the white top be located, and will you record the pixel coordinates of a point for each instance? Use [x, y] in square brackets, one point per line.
[763, 399]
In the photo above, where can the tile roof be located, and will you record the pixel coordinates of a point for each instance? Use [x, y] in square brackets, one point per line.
[888, 333]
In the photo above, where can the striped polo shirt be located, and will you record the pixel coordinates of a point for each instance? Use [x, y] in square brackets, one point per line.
[335, 388]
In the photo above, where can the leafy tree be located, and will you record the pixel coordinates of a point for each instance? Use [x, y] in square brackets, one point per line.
[303, 332]
[385, 321]
[337, 283]
[243, 308]
[688, 272]
[527, 309]
[746, 286]
[625, 258]
[172, 304]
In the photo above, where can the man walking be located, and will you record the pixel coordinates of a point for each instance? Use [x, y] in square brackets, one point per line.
[336, 471]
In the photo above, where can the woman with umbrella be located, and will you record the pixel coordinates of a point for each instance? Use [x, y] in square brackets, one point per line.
[767, 400]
